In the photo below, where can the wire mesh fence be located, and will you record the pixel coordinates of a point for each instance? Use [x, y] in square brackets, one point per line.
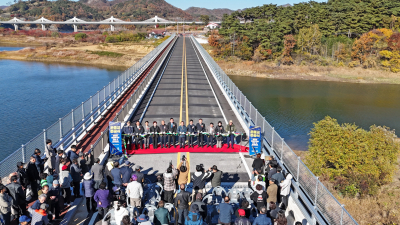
[60, 131]
[326, 203]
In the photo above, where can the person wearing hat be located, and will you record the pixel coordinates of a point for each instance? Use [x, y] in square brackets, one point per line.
[272, 192]
[139, 175]
[24, 220]
[39, 216]
[55, 196]
[154, 131]
[242, 220]
[143, 220]
[135, 192]
[200, 204]
[23, 179]
[65, 183]
[194, 217]
[126, 172]
[216, 176]
[231, 129]
[88, 190]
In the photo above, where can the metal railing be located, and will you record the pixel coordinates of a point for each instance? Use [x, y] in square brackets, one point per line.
[68, 129]
[131, 105]
[316, 193]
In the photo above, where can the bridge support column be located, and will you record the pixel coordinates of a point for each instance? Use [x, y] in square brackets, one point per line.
[15, 27]
[112, 27]
[43, 27]
[75, 28]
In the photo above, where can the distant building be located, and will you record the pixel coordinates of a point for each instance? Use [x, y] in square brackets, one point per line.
[156, 33]
[212, 26]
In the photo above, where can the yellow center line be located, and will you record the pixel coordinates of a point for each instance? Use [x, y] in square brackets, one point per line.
[187, 98]
[183, 56]
[188, 159]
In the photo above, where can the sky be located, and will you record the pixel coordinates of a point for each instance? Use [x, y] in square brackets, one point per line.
[230, 4]
[214, 4]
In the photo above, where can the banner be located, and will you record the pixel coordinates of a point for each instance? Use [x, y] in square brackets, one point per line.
[115, 138]
[255, 140]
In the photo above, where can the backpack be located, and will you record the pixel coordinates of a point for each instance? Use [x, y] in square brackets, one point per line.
[183, 167]
[196, 220]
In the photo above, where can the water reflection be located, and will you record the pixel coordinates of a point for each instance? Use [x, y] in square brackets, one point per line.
[292, 106]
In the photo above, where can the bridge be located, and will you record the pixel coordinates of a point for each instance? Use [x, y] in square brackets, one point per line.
[180, 80]
[110, 21]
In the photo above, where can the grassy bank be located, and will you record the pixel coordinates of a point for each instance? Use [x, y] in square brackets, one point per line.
[293, 72]
[68, 50]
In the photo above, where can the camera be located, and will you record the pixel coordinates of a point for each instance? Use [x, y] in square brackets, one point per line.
[183, 158]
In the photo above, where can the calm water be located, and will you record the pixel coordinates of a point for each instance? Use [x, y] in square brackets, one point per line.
[34, 95]
[6, 48]
[292, 106]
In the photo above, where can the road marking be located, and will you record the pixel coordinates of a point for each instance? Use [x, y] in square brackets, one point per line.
[183, 56]
[188, 159]
[178, 158]
[187, 98]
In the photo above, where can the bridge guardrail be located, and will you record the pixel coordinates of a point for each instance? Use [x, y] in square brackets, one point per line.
[318, 195]
[102, 141]
[69, 128]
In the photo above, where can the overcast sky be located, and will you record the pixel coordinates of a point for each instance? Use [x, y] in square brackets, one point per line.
[213, 4]
[230, 4]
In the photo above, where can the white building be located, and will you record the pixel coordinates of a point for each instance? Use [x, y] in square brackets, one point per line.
[212, 26]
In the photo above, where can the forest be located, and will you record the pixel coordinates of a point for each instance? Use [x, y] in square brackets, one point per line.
[337, 32]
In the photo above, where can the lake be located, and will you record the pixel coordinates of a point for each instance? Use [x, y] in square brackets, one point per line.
[34, 95]
[292, 106]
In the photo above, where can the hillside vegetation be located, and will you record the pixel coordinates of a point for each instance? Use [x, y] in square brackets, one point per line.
[214, 14]
[340, 33]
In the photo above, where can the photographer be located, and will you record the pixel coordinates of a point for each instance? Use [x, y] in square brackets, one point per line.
[216, 176]
[199, 179]
[169, 184]
[184, 169]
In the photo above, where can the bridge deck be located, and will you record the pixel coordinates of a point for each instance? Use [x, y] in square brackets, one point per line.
[204, 100]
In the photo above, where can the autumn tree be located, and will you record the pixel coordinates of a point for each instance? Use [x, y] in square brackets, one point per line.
[361, 48]
[289, 44]
[309, 39]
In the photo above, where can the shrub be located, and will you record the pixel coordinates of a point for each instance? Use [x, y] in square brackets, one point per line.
[80, 36]
[105, 53]
[357, 161]
[55, 34]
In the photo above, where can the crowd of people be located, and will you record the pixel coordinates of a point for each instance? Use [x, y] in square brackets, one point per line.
[39, 190]
[166, 134]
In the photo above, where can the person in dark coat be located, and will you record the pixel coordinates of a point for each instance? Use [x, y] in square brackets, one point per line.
[200, 127]
[257, 165]
[182, 129]
[126, 172]
[259, 197]
[242, 220]
[17, 194]
[219, 130]
[83, 163]
[102, 197]
[154, 131]
[98, 173]
[191, 129]
[59, 156]
[200, 204]
[76, 174]
[138, 130]
[72, 153]
[172, 128]
[33, 176]
[116, 174]
[245, 206]
[55, 197]
[88, 189]
[139, 175]
[128, 131]
[39, 161]
[23, 177]
[182, 203]
[163, 136]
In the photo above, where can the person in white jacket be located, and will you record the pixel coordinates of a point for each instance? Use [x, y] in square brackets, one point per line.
[285, 190]
[135, 192]
[119, 212]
